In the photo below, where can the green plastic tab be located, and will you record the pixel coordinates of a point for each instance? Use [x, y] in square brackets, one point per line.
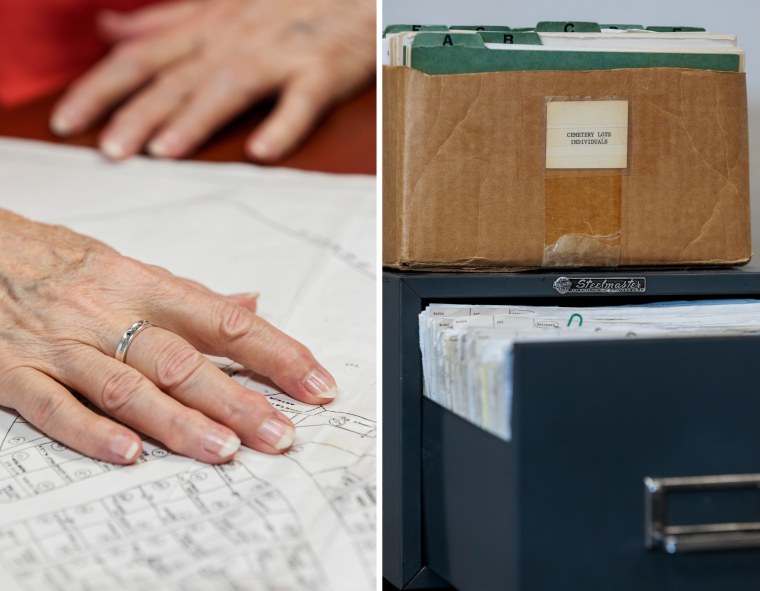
[446, 40]
[404, 28]
[677, 29]
[514, 37]
[567, 27]
[480, 28]
[619, 26]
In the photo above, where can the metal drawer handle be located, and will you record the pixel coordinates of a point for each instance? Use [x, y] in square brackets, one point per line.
[696, 538]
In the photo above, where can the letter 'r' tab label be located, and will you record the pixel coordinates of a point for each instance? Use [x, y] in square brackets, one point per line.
[587, 134]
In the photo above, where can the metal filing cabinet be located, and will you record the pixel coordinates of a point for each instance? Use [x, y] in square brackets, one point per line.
[566, 503]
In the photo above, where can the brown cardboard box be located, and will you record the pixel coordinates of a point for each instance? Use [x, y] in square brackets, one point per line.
[465, 183]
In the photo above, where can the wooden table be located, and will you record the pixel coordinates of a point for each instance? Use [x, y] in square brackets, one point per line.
[344, 142]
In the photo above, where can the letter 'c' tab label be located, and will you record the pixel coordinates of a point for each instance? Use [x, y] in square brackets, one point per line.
[587, 134]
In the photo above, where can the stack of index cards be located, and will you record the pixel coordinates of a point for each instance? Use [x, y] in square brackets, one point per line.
[467, 350]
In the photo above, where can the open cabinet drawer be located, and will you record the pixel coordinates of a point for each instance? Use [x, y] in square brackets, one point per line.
[563, 504]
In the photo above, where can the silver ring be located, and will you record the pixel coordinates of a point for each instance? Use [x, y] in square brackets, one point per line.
[126, 338]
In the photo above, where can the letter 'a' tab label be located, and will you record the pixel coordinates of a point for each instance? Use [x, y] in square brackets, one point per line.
[587, 134]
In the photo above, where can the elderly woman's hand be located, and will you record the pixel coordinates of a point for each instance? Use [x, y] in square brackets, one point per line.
[65, 302]
[185, 68]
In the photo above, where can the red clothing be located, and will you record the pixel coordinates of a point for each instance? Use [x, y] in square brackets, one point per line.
[46, 43]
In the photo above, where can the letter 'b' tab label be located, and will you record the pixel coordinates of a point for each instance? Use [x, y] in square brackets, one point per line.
[587, 134]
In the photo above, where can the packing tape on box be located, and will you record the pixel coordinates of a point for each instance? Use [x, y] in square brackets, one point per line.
[582, 218]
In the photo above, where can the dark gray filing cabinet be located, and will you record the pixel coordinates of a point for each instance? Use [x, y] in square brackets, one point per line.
[564, 505]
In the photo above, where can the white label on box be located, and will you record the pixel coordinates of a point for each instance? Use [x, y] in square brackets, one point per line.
[587, 134]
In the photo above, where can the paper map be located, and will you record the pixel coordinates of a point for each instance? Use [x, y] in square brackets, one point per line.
[304, 520]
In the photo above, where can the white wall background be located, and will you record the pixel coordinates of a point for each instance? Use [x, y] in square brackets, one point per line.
[737, 17]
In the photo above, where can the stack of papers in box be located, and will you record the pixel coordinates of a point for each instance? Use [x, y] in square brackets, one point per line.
[438, 49]
[467, 350]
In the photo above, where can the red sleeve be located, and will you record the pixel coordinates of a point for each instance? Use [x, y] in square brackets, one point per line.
[45, 44]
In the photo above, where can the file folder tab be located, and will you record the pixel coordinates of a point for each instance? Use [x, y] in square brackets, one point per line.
[392, 29]
[567, 27]
[676, 29]
[479, 28]
[621, 27]
[511, 37]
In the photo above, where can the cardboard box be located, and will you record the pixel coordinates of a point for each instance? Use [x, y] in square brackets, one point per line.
[466, 186]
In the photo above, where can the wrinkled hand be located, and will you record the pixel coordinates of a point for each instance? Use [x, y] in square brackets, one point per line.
[187, 67]
[66, 300]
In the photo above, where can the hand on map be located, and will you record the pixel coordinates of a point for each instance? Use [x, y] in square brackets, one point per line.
[180, 70]
[65, 302]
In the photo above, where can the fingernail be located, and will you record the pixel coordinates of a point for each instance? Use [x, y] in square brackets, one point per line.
[125, 447]
[167, 143]
[277, 432]
[60, 125]
[156, 148]
[321, 384]
[221, 443]
[247, 300]
[262, 149]
[113, 149]
[251, 295]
